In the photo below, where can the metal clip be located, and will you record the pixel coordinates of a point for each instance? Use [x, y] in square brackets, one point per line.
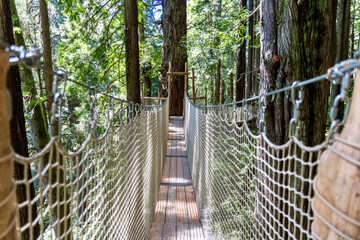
[18, 55]
[56, 108]
[294, 122]
[336, 122]
[262, 107]
[246, 112]
[91, 105]
[234, 113]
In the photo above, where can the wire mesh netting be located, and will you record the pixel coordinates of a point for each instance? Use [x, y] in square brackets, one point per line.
[105, 190]
[246, 187]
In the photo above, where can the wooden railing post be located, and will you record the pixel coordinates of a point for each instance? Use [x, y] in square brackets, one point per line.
[336, 204]
[7, 193]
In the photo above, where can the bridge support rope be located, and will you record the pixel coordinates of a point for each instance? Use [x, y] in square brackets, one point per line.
[246, 187]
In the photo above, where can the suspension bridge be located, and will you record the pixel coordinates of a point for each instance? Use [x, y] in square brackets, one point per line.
[205, 175]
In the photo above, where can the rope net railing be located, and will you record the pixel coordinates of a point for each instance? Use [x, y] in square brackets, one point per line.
[247, 187]
[107, 189]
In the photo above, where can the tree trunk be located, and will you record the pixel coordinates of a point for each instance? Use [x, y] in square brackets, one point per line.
[174, 50]
[62, 193]
[285, 60]
[257, 56]
[343, 30]
[353, 30]
[222, 91]
[217, 83]
[132, 52]
[231, 89]
[241, 63]
[249, 89]
[146, 65]
[47, 52]
[342, 36]
[17, 126]
[294, 50]
[37, 122]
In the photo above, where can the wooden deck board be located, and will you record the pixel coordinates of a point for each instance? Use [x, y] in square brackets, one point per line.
[176, 215]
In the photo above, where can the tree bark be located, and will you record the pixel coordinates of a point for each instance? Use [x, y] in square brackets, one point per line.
[292, 49]
[146, 65]
[174, 50]
[249, 89]
[222, 91]
[132, 52]
[37, 122]
[286, 35]
[231, 89]
[256, 60]
[62, 194]
[342, 36]
[343, 30]
[17, 125]
[353, 30]
[217, 83]
[241, 64]
[47, 52]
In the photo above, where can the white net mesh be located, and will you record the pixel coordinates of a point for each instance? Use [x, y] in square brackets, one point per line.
[105, 190]
[246, 187]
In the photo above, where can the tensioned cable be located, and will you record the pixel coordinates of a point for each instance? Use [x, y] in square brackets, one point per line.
[289, 88]
[48, 70]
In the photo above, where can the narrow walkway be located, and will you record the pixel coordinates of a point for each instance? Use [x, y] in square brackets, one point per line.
[176, 214]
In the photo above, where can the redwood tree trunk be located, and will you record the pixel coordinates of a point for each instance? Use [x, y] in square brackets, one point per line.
[174, 50]
[296, 45]
[132, 52]
[17, 125]
[249, 89]
[292, 49]
[241, 65]
[47, 54]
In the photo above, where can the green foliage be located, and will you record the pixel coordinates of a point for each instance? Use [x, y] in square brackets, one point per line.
[215, 31]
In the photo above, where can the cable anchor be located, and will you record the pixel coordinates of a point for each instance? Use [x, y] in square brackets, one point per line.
[295, 121]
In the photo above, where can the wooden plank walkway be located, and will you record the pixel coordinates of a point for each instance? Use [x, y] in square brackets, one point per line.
[176, 215]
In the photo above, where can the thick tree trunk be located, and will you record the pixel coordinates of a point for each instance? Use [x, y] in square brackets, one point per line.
[17, 125]
[132, 52]
[217, 83]
[249, 89]
[284, 60]
[174, 50]
[241, 64]
[47, 52]
[294, 50]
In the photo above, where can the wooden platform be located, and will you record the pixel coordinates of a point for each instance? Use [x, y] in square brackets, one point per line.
[176, 214]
